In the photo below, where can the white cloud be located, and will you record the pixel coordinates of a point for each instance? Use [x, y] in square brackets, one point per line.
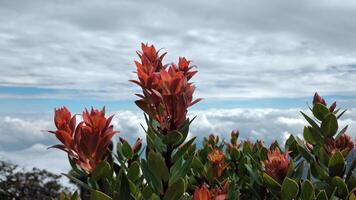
[265, 124]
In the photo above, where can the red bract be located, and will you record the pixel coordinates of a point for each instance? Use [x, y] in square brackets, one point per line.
[343, 144]
[87, 142]
[276, 165]
[201, 193]
[167, 94]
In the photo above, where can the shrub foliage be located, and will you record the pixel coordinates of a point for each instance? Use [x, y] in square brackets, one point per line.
[320, 165]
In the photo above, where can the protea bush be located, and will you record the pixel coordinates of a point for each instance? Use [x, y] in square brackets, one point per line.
[169, 166]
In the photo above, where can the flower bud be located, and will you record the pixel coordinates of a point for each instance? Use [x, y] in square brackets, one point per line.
[318, 99]
[332, 107]
[137, 146]
[201, 193]
[234, 137]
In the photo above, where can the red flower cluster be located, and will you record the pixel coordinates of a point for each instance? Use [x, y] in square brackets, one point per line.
[343, 144]
[216, 194]
[167, 92]
[87, 142]
[276, 165]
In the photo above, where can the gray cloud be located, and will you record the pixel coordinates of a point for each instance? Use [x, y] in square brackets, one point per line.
[242, 48]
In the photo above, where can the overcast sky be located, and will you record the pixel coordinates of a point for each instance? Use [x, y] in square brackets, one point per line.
[259, 62]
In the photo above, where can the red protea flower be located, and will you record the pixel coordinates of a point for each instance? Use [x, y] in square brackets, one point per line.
[276, 165]
[87, 142]
[343, 144]
[167, 94]
[201, 193]
[216, 157]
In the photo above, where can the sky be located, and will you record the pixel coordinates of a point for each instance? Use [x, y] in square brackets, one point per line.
[259, 63]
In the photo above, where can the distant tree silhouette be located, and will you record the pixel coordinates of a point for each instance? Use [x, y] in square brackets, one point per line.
[17, 183]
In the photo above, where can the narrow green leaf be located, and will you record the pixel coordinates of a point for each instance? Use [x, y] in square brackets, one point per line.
[182, 150]
[97, 195]
[124, 192]
[310, 121]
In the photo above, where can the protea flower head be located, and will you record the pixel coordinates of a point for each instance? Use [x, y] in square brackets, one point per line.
[276, 165]
[202, 193]
[87, 142]
[343, 143]
[167, 92]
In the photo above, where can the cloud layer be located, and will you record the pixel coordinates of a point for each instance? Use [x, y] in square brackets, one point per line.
[266, 124]
[243, 49]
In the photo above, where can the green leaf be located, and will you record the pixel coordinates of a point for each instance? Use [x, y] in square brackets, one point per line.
[77, 181]
[134, 171]
[307, 191]
[175, 190]
[97, 195]
[320, 111]
[310, 121]
[182, 150]
[322, 195]
[155, 182]
[126, 150]
[181, 171]
[303, 150]
[173, 137]
[341, 114]
[351, 183]
[124, 192]
[299, 170]
[159, 145]
[329, 125]
[271, 183]
[324, 156]
[102, 170]
[318, 171]
[336, 164]
[157, 165]
[290, 188]
[341, 186]
[351, 169]
[342, 132]
[263, 153]
[312, 135]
